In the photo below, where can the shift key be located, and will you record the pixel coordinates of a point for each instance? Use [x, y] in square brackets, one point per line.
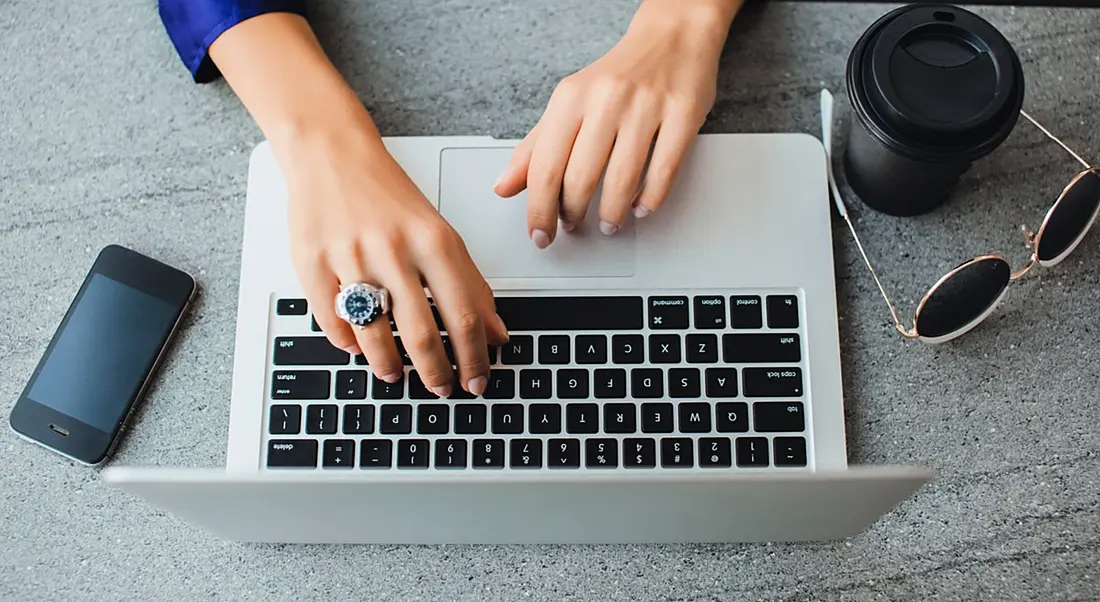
[772, 382]
[308, 351]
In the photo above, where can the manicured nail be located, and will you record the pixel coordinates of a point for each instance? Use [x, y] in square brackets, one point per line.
[389, 378]
[540, 238]
[352, 349]
[640, 212]
[568, 227]
[608, 228]
[477, 385]
[441, 390]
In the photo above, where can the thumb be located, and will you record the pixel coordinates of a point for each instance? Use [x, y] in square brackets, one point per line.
[514, 178]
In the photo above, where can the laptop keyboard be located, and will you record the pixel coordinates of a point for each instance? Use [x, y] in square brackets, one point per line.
[586, 382]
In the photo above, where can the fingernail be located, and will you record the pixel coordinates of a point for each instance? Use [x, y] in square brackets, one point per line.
[568, 227]
[608, 228]
[441, 391]
[540, 238]
[352, 349]
[477, 385]
[389, 378]
[501, 326]
[640, 212]
[500, 179]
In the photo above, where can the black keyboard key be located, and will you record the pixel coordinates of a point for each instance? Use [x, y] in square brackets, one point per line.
[339, 453]
[493, 354]
[760, 348]
[601, 453]
[664, 348]
[488, 453]
[647, 383]
[627, 349]
[677, 452]
[406, 359]
[518, 351]
[563, 453]
[732, 417]
[380, 389]
[502, 385]
[715, 452]
[448, 350]
[412, 453]
[572, 383]
[292, 453]
[417, 388]
[535, 384]
[683, 383]
[375, 453]
[790, 451]
[358, 419]
[554, 349]
[526, 453]
[321, 419]
[695, 417]
[610, 383]
[432, 419]
[507, 419]
[620, 418]
[313, 325]
[582, 418]
[291, 307]
[471, 418]
[668, 313]
[772, 382]
[457, 392]
[657, 418]
[361, 360]
[308, 351]
[752, 451]
[639, 453]
[782, 311]
[450, 453]
[591, 348]
[702, 349]
[710, 312]
[544, 418]
[721, 382]
[285, 420]
[746, 312]
[779, 417]
[545, 314]
[300, 384]
[351, 384]
[394, 419]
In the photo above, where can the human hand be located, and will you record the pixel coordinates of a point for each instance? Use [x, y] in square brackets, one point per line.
[355, 216]
[652, 89]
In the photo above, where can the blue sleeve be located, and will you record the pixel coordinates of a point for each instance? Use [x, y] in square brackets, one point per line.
[193, 25]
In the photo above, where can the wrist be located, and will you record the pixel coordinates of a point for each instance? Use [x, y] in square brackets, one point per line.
[706, 21]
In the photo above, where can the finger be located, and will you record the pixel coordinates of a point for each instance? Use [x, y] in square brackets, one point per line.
[587, 161]
[460, 309]
[415, 324]
[549, 157]
[375, 340]
[673, 143]
[624, 171]
[514, 178]
[320, 286]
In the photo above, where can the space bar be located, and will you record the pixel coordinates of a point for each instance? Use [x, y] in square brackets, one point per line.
[571, 313]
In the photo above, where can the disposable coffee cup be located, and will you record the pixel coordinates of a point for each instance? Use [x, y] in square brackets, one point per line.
[933, 88]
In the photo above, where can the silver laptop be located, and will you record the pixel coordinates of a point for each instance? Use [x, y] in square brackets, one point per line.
[677, 382]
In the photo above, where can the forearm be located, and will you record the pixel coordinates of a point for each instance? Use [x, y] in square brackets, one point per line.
[708, 21]
[281, 74]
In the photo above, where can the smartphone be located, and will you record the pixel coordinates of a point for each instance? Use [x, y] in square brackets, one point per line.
[103, 355]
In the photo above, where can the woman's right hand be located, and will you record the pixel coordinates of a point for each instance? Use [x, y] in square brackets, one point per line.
[355, 216]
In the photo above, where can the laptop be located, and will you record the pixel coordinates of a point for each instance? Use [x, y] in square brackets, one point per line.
[679, 381]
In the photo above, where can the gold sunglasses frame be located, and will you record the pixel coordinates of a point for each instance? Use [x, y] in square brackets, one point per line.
[1032, 239]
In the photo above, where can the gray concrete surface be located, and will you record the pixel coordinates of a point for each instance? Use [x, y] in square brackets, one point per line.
[104, 139]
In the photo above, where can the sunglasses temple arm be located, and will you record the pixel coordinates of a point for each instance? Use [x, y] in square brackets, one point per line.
[827, 104]
[1055, 138]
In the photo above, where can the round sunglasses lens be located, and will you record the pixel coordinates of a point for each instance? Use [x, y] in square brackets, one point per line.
[1070, 218]
[963, 298]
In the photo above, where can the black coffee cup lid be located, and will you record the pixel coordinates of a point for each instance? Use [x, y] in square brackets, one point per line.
[936, 80]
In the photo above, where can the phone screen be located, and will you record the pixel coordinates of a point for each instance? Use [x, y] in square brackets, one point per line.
[102, 355]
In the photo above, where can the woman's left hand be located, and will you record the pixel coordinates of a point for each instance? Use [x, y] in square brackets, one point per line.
[653, 89]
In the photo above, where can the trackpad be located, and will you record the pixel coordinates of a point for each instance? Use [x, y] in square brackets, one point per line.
[495, 229]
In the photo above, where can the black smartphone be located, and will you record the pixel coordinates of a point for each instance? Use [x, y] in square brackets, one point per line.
[103, 355]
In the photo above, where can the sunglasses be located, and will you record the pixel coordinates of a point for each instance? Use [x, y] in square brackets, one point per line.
[968, 294]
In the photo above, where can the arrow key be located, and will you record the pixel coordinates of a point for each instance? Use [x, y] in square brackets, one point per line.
[339, 453]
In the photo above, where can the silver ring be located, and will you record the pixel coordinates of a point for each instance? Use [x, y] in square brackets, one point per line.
[360, 304]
